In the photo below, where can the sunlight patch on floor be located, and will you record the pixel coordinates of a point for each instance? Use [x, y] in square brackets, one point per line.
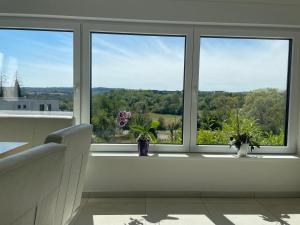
[290, 218]
[118, 219]
[243, 219]
[196, 219]
[172, 219]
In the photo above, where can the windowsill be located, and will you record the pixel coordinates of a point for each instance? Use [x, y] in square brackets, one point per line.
[194, 155]
[35, 114]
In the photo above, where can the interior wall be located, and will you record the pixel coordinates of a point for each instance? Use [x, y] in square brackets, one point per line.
[191, 174]
[275, 12]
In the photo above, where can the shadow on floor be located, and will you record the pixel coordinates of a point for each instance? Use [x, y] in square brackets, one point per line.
[279, 219]
[158, 217]
[215, 214]
[134, 222]
[217, 219]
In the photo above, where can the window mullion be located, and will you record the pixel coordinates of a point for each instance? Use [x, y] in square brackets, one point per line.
[77, 73]
[188, 91]
[293, 123]
[85, 76]
[194, 89]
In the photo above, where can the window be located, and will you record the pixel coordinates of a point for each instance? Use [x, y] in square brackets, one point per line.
[151, 72]
[36, 65]
[42, 107]
[246, 78]
[140, 74]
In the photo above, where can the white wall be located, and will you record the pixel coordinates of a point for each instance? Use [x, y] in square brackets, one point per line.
[216, 11]
[196, 174]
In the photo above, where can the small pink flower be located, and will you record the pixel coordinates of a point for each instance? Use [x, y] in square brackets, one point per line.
[128, 115]
[122, 114]
[123, 117]
[122, 124]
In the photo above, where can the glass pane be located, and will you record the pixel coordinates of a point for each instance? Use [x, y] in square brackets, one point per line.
[140, 74]
[245, 77]
[36, 72]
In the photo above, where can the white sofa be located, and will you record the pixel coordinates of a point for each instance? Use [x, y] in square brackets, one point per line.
[77, 139]
[29, 185]
[31, 129]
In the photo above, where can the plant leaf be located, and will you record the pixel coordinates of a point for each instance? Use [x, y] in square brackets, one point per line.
[154, 124]
[137, 128]
[153, 138]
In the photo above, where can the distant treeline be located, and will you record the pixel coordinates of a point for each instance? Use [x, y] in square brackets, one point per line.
[266, 107]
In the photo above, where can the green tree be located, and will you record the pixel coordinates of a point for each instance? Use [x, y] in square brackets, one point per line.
[229, 128]
[104, 125]
[162, 123]
[267, 106]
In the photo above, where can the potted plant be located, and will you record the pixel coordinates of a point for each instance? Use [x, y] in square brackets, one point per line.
[145, 131]
[146, 134]
[242, 141]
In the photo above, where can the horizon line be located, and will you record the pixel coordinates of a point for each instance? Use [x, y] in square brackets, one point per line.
[159, 90]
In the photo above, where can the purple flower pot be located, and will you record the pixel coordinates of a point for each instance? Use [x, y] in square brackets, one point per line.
[143, 147]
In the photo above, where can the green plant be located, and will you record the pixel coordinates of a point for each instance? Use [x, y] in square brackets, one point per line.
[212, 137]
[239, 139]
[245, 138]
[142, 127]
[146, 132]
[173, 127]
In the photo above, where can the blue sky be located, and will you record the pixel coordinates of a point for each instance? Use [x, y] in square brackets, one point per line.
[44, 59]
[243, 64]
[138, 61]
[41, 58]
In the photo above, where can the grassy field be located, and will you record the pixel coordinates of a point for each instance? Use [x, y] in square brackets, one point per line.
[167, 117]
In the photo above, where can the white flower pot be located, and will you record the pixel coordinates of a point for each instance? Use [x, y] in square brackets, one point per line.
[242, 152]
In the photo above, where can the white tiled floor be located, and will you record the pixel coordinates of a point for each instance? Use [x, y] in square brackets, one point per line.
[189, 211]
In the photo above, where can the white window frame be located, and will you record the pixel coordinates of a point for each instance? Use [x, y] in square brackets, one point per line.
[138, 28]
[55, 25]
[82, 73]
[293, 121]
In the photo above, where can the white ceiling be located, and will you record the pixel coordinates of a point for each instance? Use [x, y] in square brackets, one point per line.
[250, 12]
[277, 2]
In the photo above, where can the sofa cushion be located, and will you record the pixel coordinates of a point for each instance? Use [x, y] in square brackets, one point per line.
[77, 139]
[29, 181]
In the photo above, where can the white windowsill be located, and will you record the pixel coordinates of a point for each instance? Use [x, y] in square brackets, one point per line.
[35, 114]
[194, 155]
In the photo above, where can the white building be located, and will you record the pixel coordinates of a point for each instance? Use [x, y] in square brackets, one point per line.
[12, 100]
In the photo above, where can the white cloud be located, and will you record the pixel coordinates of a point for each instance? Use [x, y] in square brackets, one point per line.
[244, 68]
[159, 68]
[224, 66]
[153, 63]
[46, 75]
[40, 60]
[36, 74]
[117, 49]
[162, 46]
